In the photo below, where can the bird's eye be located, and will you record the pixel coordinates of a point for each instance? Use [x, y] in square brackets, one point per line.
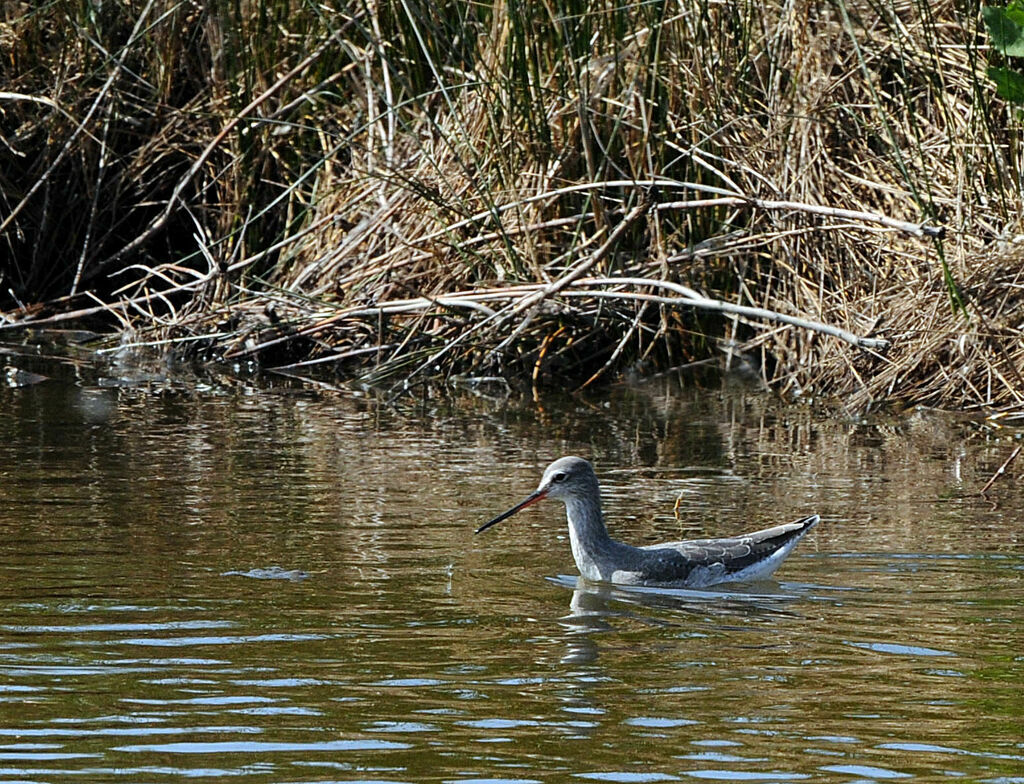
[559, 477]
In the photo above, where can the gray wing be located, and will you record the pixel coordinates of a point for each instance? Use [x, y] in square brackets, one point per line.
[677, 560]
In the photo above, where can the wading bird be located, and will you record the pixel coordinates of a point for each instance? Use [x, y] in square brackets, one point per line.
[691, 564]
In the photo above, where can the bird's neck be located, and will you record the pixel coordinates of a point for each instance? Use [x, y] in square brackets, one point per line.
[591, 544]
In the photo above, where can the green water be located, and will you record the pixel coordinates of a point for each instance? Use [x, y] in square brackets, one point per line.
[203, 583]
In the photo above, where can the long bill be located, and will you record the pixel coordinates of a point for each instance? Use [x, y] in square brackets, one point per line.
[530, 499]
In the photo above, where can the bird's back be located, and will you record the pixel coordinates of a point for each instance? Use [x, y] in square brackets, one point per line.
[699, 562]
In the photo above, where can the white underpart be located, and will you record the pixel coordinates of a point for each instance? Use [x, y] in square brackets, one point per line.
[764, 569]
[626, 578]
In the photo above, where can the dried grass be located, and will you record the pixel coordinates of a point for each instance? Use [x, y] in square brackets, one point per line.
[413, 192]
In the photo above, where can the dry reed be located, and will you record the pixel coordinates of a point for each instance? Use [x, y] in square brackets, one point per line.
[558, 194]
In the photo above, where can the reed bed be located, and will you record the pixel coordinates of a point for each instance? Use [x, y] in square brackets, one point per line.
[561, 194]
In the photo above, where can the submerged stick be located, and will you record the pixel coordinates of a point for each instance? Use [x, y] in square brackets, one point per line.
[1001, 470]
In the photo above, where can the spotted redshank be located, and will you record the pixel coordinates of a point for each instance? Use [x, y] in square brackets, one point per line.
[691, 564]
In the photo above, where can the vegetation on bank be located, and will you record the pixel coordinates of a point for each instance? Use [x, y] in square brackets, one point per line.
[826, 193]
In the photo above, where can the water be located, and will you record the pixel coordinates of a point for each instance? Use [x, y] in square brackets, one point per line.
[201, 583]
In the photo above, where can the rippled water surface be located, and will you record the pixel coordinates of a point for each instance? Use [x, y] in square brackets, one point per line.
[200, 583]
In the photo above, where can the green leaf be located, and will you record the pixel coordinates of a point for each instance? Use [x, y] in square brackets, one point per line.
[1009, 84]
[1006, 28]
[1015, 10]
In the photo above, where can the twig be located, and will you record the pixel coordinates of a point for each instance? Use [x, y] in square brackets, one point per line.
[356, 352]
[577, 271]
[161, 220]
[723, 196]
[1001, 470]
[80, 128]
[474, 299]
[691, 299]
[103, 307]
[618, 348]
[916, 229]
[164, 342]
